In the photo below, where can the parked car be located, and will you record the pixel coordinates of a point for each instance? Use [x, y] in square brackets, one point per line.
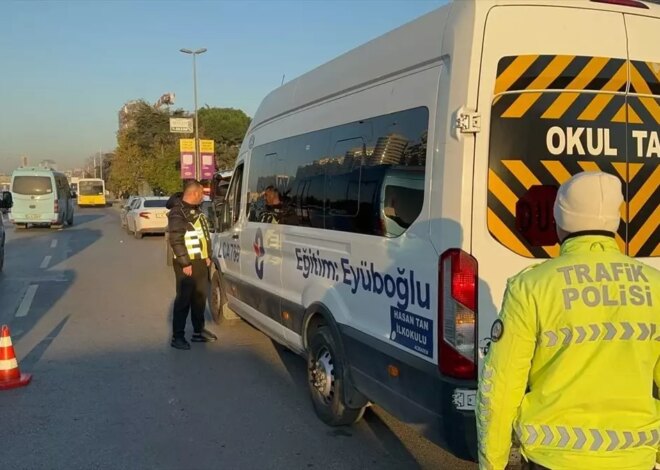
[147, 215]
[125, 208]
[5, 204]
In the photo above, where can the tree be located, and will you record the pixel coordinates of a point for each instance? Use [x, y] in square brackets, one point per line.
[148, 153]
[227, 127]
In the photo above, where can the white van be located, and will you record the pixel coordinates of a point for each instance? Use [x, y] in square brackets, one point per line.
[380, 202]
[41, 197]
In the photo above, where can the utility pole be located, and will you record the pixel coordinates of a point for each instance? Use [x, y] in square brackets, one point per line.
[101, 164]
[198, 164]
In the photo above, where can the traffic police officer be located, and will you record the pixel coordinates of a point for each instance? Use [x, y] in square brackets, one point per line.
[191, 243]
[575, 353]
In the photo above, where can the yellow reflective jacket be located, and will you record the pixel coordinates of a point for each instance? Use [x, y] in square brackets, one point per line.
[573, 370]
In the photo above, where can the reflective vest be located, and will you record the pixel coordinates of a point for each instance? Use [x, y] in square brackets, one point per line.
[196, 238]
[572, 363]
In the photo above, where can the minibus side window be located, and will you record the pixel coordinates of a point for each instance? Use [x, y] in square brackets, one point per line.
[233, 206]
[332, 178]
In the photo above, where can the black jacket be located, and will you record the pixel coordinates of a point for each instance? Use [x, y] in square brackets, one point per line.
[181, 219]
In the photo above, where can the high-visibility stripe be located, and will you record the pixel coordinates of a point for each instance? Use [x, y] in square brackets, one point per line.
[638, 82]
[557, 170]
[513, 72]
[620, 116]
[597, 332]
[621, 242]
[633, 117]
[8, 364]
[505, 235]
[644, 193]
[633, 169]
[552, 251]
[549, 75]
[626, 114]
[502, 192]
[622, 169]
[589, 166]
[655, 69]
[652, 106]
[598, 103]
[588, 439]
[656, 251]
[522, 173]
[645, 232]
[5, 341]
[643, 88]
[565, 100]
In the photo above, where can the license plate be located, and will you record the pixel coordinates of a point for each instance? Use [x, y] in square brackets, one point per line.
[33, 216]
[465, 399]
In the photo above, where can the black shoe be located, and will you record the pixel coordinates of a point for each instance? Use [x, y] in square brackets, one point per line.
[204, 337]
[180, 343]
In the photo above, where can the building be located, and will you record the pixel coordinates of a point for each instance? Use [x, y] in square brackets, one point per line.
[125, 113]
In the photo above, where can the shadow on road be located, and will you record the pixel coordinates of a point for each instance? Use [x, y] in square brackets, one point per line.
[82, 219]
[211, 407]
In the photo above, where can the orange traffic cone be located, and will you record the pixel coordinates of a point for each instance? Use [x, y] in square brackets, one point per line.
[10, 374]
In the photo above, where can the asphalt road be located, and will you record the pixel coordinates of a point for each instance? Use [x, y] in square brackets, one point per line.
[89, 310]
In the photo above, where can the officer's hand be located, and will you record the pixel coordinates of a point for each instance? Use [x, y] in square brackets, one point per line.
[187, 271]
[208, 262]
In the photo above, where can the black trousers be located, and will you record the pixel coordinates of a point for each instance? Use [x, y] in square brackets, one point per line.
[191, 294]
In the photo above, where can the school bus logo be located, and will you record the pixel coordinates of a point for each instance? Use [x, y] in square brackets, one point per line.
[553, 116]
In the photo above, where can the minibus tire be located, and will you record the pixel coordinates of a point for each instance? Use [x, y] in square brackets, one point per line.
[329, 404]
[217, 297]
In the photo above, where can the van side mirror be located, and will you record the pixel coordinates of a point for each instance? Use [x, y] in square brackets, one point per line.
[6, 202]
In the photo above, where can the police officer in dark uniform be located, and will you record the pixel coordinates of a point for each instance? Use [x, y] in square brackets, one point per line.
[190, 239]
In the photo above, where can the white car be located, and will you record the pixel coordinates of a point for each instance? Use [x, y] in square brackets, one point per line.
[147, 215]
[125, 208]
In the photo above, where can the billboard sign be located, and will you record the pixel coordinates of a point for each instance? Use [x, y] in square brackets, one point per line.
[187, 148]
[207, 152]
[181, 125]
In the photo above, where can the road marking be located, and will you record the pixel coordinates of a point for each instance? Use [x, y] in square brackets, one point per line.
[26, 303]
[45, 262]
[53, 244]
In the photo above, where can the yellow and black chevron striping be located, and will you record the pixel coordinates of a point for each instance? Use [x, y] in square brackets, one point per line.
[554, 116]
[533, 74]
[568, 72]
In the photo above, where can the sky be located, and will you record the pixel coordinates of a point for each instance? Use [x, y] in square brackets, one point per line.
[68, 67]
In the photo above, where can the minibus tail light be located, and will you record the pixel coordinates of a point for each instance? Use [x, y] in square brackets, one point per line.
[457, 316]
[623, 3]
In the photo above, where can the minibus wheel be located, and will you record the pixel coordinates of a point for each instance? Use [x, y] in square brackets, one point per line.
[325, 379]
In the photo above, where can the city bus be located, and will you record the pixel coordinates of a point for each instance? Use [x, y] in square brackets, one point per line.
[91, 192]
[380, 202]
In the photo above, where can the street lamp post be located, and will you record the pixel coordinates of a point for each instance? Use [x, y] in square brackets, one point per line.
[198, 166]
